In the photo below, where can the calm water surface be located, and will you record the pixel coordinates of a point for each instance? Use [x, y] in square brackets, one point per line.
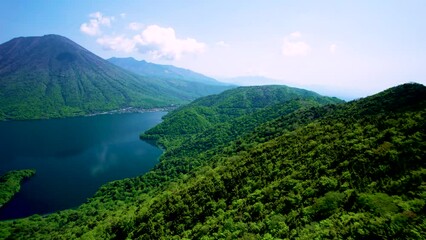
[73, 157]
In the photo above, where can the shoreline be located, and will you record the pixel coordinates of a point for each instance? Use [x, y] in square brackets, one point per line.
[116, 111]
[133, 110]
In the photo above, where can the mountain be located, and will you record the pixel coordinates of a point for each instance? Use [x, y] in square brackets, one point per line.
[51, 76]
[162, 71]
[295, 169]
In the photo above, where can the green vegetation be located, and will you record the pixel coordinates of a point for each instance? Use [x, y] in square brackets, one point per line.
[52, 77]
[10, 184]
[267, 169]
[232, 113]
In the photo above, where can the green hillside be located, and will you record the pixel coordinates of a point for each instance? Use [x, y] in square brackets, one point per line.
[232, 112]
[348, 171]
[51, 76]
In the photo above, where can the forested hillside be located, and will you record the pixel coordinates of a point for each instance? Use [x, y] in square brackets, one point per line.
[294, 169]
[237, 110]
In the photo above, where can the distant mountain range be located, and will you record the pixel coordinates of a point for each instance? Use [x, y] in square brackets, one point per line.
[148, 69]
[52, 76]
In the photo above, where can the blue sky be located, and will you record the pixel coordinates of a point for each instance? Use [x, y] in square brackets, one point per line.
[344, 48]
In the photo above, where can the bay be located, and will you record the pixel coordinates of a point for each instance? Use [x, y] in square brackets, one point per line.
[73, 157]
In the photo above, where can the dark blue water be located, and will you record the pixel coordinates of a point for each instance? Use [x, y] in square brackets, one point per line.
[73, 157]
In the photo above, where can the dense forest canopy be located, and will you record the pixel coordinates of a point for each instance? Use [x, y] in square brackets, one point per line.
[251, 163]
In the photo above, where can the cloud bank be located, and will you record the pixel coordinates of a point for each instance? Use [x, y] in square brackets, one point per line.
[159, 42]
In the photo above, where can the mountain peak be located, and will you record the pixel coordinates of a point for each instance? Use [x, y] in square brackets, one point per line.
[41, 39]
[42, 52]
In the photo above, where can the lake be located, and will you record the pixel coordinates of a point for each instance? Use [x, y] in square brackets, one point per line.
[73, 157]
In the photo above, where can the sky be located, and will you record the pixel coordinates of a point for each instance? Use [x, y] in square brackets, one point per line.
[348, 49]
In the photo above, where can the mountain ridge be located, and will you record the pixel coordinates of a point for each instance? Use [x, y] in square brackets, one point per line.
[145, 68]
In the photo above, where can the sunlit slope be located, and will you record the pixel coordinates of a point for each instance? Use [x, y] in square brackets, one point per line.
[353, 170]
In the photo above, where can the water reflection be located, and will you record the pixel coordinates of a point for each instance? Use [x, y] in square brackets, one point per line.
[100, 149]
[104, 160]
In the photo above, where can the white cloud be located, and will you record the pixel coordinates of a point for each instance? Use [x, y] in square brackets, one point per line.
[154, 40]
[93, 27]
[292, 46]
[222, 44]
[117, 43]
[159, 42]
[162, 43]
[102, 20]
[333, 48]
[135, 26]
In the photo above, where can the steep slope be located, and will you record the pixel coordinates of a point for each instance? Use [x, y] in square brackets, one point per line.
[353, 170]
[349, 171]
[51, 76]
[147, 69]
